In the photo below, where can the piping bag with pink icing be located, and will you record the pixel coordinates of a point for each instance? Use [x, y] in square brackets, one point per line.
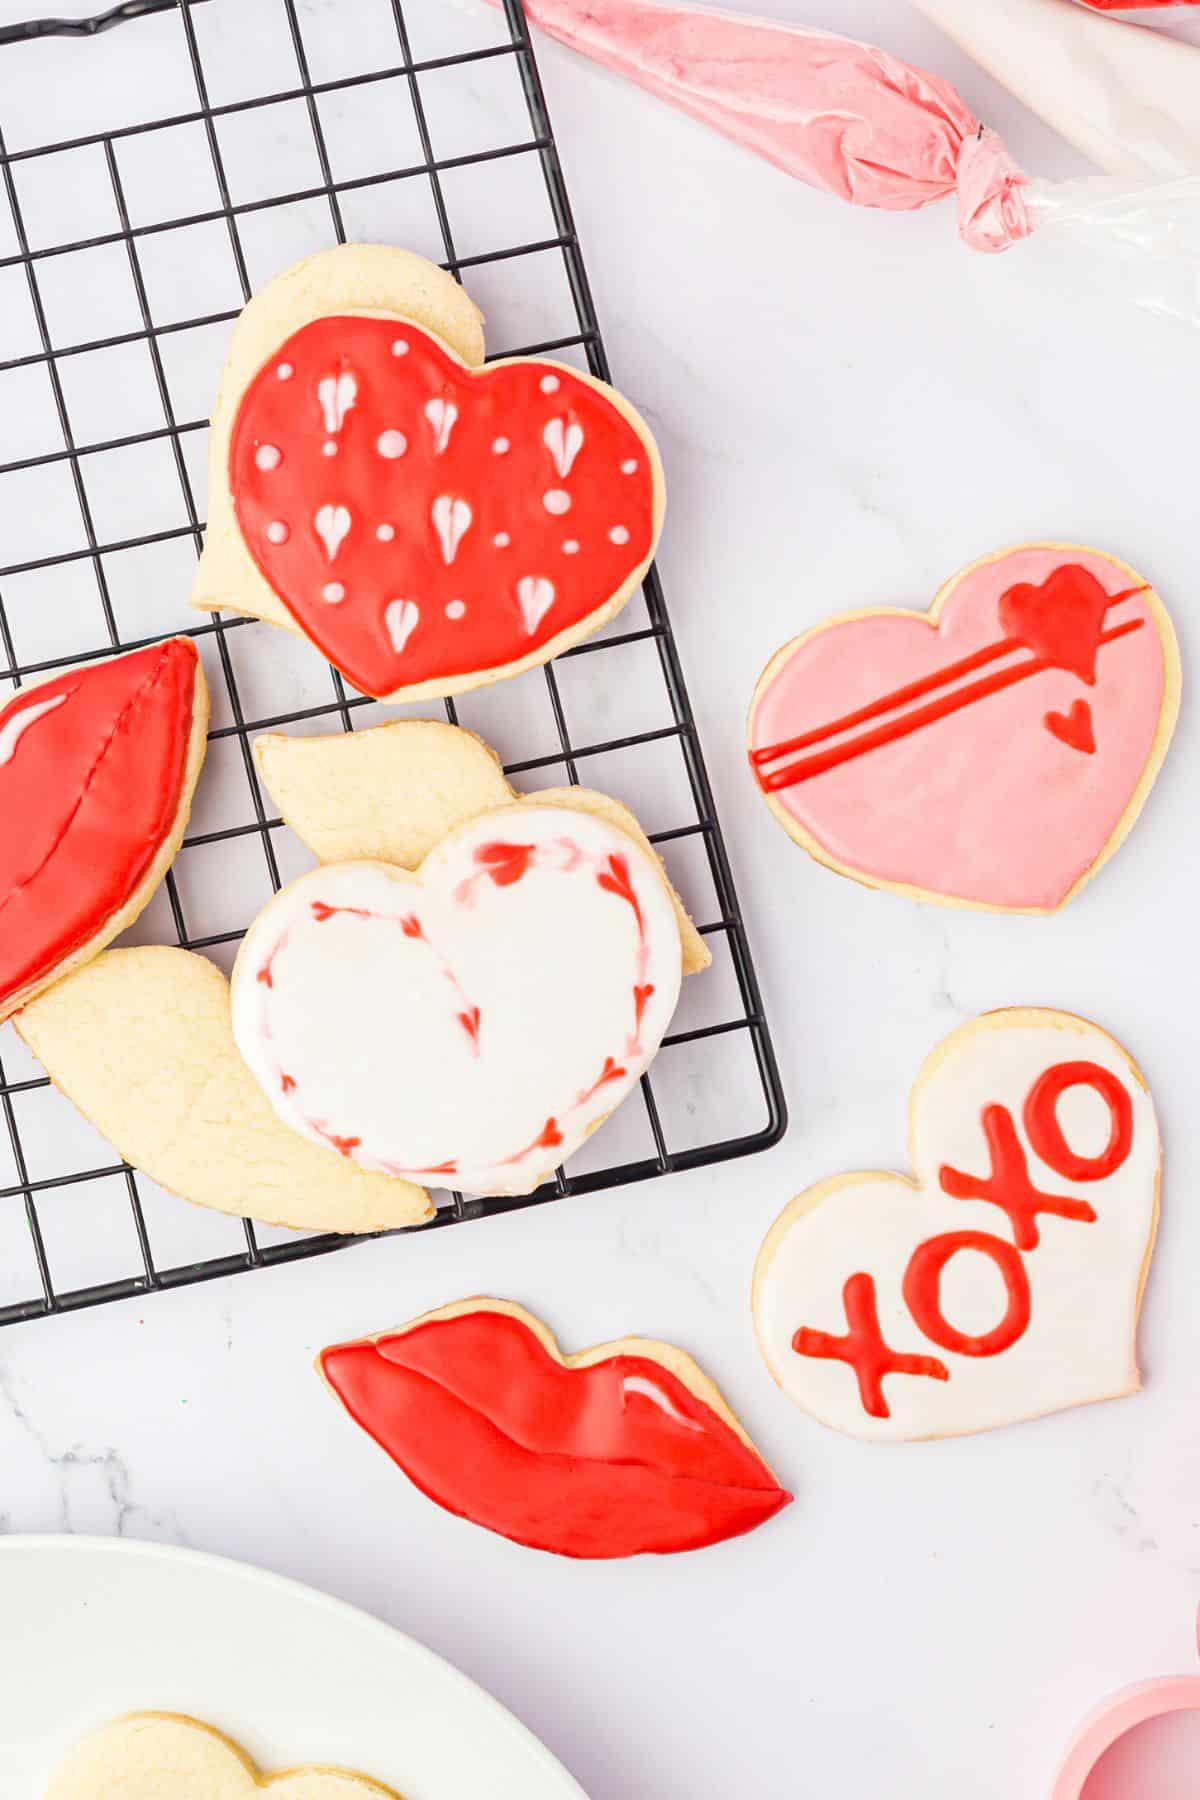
[863, 125]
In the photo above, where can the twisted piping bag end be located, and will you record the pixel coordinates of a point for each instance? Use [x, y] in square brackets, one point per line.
[992, 214]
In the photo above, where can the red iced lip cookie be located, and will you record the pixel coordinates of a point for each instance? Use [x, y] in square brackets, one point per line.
[621, 1449]
[97, 769]
[993, 752]
[422, 521]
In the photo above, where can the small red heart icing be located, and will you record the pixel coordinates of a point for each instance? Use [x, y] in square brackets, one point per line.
[1059, 619]
[1074, 728]
[422, 521]
[917, 750]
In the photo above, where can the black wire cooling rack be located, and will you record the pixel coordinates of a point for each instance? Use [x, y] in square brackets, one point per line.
[76, 1228]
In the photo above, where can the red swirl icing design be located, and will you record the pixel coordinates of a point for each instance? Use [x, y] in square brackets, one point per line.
[610, 1459]
[92, 772]
[422, 521]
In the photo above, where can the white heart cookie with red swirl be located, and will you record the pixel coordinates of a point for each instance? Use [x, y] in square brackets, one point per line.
[1003, 1279]
[468, 1024]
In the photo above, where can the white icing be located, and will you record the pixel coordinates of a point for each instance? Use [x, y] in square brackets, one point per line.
[641, 1384]
[456, 609]
[14, 728]
[285, 371]
[333, 592]
[391, 444]
[442, 415]
[1085, 1277]
[385, 533]
[629, 466]
[501, 446]
[549, 1020]
[277, 532]
[331, 525]
[570, 546]
[535, 596]
[399, 346]
[400, 617]
[268, 457]
[451, 520]
[564, 442]
[329, 448]
[549, 384]
[337, 394]
[502, 540]
[556, 501]
[619, 534]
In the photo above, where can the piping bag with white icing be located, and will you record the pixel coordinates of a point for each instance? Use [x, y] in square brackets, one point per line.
[860, 123]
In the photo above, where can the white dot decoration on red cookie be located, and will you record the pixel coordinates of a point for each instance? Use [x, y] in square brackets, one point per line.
[629, 466]
[549, 384]
[285, 371]
[500, 446]
[556, 501]
[329, 448]
[456, 609]
[400, 347]
[571, 547]
[401, 619]
[391, 444]
[619, 534]
[334, 592]
[277, 532]
[267, 457]
[502, 540]
[385, 533]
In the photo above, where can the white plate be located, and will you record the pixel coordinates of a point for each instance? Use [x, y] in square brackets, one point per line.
[94, 1627]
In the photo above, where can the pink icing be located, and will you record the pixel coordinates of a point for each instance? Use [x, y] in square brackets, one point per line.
[986, 804]
[840, 115]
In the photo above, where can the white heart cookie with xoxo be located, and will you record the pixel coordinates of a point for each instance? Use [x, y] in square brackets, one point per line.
[471, 1023]
[1000, 1282]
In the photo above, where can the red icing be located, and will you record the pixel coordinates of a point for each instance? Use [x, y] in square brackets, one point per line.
[1008, 1185]
[1046, 1134]
[922, 1295]
[505, 863]
[509, 611]
[864, 1348]
[615, 880]
[1060, 619]
[89, 793]
[1074, 727]
[583, 1461]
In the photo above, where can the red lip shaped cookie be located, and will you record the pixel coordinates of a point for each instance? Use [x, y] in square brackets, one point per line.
[1004, 1280]
[428, 524]
[97, 769]
[992, 753]
[471, 1023]
[619, 1450]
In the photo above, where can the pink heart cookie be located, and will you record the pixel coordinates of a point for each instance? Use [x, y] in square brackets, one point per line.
[993, 752]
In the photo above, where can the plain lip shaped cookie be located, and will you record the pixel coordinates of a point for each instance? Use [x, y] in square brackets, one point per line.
[168, 1756]
[372, 281]
[662, 1409]
[901, 1214]
[865, 819]
[31, 722]
[514, 1036]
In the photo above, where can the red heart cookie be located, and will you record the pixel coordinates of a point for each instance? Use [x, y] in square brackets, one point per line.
[97, 768]
[425, 523]
[993, 752]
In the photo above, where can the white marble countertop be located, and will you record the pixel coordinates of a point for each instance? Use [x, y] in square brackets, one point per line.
[850, 406]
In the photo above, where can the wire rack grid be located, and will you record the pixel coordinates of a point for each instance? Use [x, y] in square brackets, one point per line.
[290, 124]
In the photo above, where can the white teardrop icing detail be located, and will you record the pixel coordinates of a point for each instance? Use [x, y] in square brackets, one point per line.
[535, 595]
[337, 394]
[331, 525]
[14, 730]
[451, 521]
[401, 619]
[564, 442]
[442, 415]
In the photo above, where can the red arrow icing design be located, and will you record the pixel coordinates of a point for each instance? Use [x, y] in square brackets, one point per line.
[92, 768]
[420, 520]
[610, 1460]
